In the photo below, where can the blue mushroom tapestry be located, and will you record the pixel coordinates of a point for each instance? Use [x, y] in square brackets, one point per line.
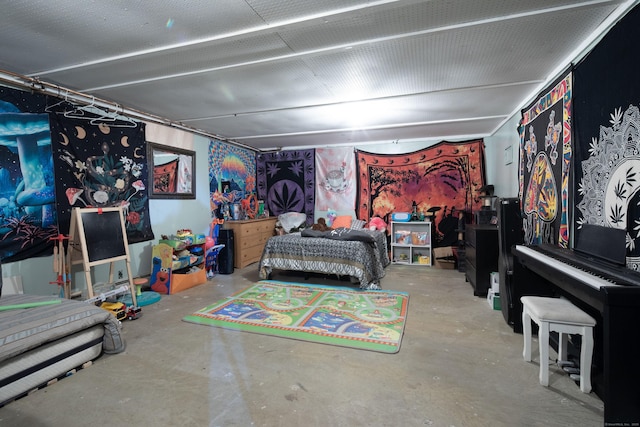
[27, 196]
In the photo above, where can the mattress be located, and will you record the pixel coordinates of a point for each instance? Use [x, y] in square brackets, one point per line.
[41, 343]
[364, 261]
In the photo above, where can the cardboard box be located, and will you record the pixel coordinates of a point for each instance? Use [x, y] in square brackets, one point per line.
[443, 258]
[493, 298]
[495, 282]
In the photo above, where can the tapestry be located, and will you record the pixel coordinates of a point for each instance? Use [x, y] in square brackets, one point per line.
[607, 133]
[286, 182]
[442, 180]
[165, 177]
[336, 185]
[27, 193]
[367, 320]
[101, 165]
[545, 165]
[234, 165]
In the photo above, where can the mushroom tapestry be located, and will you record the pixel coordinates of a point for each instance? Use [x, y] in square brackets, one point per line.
[27, 196]
[545, 164]
[234, 165]
[101, 165]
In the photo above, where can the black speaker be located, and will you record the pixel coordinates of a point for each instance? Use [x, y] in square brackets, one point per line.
[510, 233]
[225, 257]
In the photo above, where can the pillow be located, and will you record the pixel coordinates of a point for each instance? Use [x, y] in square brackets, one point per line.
[357, 224]
[342, 221]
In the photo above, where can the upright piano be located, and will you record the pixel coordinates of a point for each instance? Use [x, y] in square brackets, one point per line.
[608, 292]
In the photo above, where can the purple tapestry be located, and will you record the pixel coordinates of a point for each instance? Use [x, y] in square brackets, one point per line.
[286, 182]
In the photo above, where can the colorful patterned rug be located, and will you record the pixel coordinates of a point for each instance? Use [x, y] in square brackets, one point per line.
[366, 320]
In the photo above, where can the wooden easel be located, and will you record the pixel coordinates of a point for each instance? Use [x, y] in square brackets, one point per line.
[98, 236]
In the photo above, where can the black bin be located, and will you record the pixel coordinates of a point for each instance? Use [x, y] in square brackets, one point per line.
[225, 257]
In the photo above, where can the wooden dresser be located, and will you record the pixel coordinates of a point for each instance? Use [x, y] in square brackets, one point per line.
[250, 236]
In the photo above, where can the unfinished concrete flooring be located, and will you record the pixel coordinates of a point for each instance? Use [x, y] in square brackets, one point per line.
[459, 365]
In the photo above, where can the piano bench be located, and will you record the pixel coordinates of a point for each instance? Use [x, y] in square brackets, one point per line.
[558, 315]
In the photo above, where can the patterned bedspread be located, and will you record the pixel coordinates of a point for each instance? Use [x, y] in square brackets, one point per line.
[364, 262]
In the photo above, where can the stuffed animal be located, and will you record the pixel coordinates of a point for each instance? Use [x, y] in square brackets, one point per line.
[376, 223]
[321, 225]
[331, 216]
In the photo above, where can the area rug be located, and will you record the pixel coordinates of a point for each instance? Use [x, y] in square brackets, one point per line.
[367, 320]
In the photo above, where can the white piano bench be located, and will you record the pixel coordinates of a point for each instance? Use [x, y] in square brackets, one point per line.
[558, 315]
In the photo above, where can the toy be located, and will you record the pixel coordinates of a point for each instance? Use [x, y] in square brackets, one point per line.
[331, 216]
[122, 311]
[377, 223]
[117, 308]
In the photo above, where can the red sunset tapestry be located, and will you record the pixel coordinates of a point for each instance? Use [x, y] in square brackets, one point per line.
[442, 179]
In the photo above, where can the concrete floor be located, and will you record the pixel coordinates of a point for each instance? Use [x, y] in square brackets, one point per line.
[459, 365]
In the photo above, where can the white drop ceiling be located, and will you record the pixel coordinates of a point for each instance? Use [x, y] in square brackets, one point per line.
[278, 74]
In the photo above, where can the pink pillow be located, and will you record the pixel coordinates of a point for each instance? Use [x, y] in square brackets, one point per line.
[342, 221]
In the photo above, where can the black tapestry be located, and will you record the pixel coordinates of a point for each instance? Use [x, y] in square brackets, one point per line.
[286, 182]
[27, 196]
[606, 114]
[102, 165]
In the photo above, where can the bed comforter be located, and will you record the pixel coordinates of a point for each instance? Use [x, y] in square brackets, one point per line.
[361, 260]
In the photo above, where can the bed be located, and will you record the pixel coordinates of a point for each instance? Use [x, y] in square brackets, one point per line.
[363, 259]
[47, 338]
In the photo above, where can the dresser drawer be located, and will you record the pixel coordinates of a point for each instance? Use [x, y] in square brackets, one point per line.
[250, 255]
[250, 238]
[250, 229]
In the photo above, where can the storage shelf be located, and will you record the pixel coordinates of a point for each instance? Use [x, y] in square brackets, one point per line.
[171, 276]
[411, 243]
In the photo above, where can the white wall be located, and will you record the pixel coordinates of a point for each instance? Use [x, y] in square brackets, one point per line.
[504, 177]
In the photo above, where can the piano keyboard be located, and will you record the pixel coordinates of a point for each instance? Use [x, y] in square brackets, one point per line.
[585, 277]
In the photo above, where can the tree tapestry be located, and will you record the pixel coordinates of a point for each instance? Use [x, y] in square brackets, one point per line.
[442, 179]
[286, 182]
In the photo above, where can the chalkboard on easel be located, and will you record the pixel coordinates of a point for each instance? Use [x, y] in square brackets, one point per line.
[100, 236]
[104, 235]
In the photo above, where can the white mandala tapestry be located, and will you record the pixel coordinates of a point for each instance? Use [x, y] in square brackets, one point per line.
[610, 181]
